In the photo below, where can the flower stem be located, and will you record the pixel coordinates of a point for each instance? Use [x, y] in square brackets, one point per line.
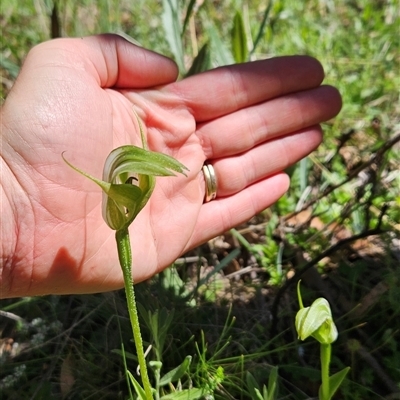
[325, 361]
[125, 259]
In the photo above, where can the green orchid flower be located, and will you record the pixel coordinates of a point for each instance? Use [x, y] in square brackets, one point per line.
[317, 321]
[128, 181]
[122, 200]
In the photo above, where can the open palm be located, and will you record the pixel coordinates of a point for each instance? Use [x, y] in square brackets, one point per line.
[251, 121]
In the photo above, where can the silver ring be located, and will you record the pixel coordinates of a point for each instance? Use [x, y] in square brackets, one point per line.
[211, 183]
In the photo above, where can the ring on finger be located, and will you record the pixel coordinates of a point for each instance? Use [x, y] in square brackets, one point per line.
[211, 183]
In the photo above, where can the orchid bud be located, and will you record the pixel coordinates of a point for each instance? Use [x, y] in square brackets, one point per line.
[316, 321]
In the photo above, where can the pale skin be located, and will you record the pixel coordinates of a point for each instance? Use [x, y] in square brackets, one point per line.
[250, 121]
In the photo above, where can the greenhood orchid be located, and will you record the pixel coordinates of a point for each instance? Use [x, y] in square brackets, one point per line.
[317, 321]
[128, 182]
[122, 201]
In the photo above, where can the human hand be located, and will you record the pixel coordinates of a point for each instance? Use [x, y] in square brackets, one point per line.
[250, 121]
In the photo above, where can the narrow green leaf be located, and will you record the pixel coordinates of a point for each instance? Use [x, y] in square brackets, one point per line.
[258, 395]
[239, 39]
[272, 384]
[144, 313]
[172, 28]
[265, 393]
[124, 354]
[335, 381]
[138, 389]
[261, 28]
[169, 319]
[176, 373]
[188, 394]
[202, 62]
[222, 55]
[189, 11]
[252, 385]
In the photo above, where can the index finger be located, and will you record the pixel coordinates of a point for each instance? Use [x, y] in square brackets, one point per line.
[227, 89]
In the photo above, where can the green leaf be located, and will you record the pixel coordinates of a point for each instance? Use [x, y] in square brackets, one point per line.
[125, 354]
[272, 384]
[172, 28]
[258, 394]
[138, 389]
[144, 313]
[188, 394]
[176, 373]
[239, 39]
[221, 54]
[261, 29]
[265, 394]
[189, 12]
[202, 62]
[252, 385]
[334, 382]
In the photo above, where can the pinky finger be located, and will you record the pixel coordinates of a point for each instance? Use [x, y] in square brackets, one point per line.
[222, 214]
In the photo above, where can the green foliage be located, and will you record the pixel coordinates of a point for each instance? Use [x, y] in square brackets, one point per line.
[268, 393]
[158, 322]
[335, 381]
[239, 39]
[172, 25]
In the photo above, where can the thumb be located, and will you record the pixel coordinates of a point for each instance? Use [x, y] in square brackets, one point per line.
[110, 59]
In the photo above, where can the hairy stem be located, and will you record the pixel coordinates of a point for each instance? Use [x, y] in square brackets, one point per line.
[125, 259]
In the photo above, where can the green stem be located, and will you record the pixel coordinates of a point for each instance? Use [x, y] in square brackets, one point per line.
[125, 259]
[325, 361]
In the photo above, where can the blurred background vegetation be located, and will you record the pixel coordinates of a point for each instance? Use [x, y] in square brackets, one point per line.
[231, 303]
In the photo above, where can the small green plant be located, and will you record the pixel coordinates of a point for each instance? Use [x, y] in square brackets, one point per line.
[317, 321]
[268, 393]
[122, 202]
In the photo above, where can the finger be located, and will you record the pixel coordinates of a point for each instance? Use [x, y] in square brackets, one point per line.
[249, 127]
[110, 59]
[227, 89]
[238, 172]
[220, 215]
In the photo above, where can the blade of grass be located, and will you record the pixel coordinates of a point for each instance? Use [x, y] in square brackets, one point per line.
[189, 12]
[261, 29]
[239, 39]
[172, 27]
